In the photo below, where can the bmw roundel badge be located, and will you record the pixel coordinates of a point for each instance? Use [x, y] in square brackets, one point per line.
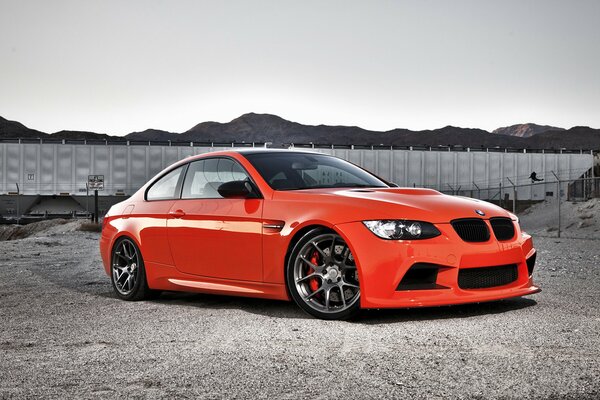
[479, 212]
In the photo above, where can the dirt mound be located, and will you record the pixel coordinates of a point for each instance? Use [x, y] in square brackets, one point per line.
[42, 228]
[577, 219]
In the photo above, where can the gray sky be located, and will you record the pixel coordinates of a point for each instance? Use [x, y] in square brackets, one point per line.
[123, 66]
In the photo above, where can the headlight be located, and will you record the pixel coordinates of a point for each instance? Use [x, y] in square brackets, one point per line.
[399, 229]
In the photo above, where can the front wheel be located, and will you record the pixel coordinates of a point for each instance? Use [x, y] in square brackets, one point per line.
[128, 274]
[322, 277]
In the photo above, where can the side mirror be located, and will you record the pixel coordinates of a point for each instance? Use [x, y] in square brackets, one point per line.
[236, 189]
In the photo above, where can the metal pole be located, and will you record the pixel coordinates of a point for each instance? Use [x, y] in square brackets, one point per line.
[451, 188]
[87, 200]
[558, 197]
[18, 208]
[478, 191]
[594, 191]
[514, 196]
[96, 206]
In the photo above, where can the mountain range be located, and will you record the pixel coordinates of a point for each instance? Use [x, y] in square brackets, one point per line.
[261, 128]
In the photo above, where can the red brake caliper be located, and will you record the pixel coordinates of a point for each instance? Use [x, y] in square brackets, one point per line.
[313, 283]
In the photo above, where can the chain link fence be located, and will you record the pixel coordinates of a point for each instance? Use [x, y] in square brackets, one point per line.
[551, 207]
[565, 208]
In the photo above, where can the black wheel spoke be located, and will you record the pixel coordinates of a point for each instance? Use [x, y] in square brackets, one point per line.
[310, 296]
[327, 297]
[319, 250]
[308, 277]
[310, 263]
[342, 296]
[332, 247]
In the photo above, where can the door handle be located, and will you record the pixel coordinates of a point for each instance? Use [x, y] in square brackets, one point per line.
[177, 213]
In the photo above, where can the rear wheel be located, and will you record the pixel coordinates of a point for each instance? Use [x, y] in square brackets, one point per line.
[322, 277]
[128, 274]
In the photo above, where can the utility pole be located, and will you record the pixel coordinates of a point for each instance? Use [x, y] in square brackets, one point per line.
[558, 197]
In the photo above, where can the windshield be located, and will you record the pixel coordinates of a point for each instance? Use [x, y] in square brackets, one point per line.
[294, 171]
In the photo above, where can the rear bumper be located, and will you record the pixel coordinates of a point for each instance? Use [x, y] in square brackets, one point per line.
[383, 263]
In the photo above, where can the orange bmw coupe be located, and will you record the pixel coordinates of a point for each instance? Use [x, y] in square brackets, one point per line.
[325, 233]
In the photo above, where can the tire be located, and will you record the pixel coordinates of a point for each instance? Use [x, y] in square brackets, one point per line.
[324, 286]
[127, 272]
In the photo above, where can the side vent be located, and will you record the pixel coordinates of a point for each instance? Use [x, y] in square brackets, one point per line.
[531, 264]
[421, 276]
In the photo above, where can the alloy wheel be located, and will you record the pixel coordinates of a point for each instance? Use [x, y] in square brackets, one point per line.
[125, 266]
[325, 274]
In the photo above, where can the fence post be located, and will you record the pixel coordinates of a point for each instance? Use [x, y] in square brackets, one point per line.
[558, 197]
[451, 188]
[478, 191]
[18, 208]
[514, 196]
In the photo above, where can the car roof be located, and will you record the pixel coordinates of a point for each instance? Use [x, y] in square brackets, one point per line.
[247, 150]
[255, 150]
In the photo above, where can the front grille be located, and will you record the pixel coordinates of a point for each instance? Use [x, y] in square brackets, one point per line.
[486, 277]
[503, 228]
[471, 229]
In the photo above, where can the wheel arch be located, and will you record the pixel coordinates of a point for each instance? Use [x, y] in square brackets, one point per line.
[121, 235]
[299, 234]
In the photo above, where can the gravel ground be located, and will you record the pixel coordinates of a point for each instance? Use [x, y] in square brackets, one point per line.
[64, 334]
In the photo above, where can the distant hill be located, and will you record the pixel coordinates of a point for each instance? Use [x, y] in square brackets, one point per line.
[525, 130]
[13, 129]
[153, 135]
[261, 128]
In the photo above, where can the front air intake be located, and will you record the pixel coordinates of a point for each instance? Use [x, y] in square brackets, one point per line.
[504, 228]
[471, 229]
[421, 276]
[531, 264]
[487, 277]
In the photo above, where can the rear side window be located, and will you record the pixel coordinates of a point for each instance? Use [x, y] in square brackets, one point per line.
[166, 188]
[204, 177]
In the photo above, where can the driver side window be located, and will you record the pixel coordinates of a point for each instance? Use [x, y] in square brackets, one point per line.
[204, 177]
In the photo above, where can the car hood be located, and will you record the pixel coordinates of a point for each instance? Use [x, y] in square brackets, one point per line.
[400, 203]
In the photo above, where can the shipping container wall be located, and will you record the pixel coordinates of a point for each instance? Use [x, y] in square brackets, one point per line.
[54, 168]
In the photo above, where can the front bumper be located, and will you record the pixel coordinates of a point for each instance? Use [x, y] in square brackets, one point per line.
[383, 263]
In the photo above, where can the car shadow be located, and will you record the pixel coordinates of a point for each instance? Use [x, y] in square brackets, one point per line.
[287, 309]
[386, 316]
[99, 285]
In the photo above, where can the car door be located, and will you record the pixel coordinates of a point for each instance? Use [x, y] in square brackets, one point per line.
[151, 216]
[213, 236]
